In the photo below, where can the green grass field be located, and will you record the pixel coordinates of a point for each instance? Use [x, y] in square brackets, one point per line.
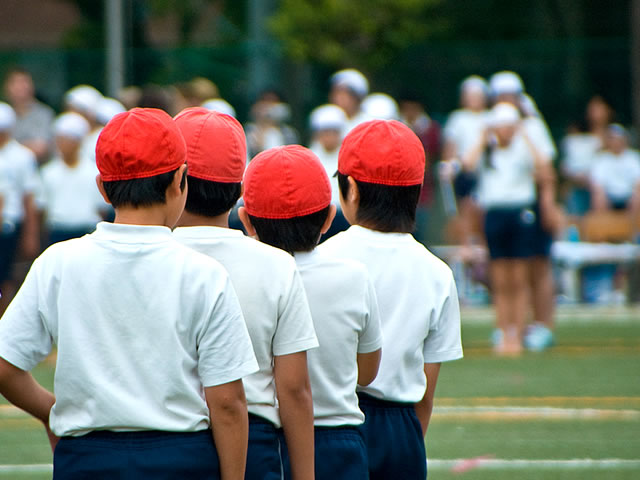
[569, 413]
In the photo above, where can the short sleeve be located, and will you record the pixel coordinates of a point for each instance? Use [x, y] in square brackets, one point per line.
[24, 339]
[444, 342]
[225, 352]
[295, 331]
[371, 336]
[541, 138]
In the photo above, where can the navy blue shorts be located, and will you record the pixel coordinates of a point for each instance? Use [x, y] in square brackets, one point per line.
[9, 238]
[263, 455]
[511, 232]
[465, 184]
[340, 454]
[542, 239]
[393, 436]
[137, 455]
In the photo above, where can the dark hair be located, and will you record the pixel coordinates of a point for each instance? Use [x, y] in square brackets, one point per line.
[298, 234]
[383, 207]
[211, 199]
[141, 192]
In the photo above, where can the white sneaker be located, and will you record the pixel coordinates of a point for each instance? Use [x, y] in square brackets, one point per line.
[538, 338]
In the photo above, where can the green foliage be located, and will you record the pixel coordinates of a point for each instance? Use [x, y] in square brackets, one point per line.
[361, 33]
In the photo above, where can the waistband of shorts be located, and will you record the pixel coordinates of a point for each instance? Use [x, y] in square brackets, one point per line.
[253, 418]
[143, 435]
[368, 400]
[337, 428]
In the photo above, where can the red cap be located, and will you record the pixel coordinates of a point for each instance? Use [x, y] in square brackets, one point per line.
[216, 146]
[140, 143]
[286, 182]
[385, 152]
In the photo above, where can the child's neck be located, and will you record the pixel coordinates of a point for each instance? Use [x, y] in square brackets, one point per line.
[72, 160]
[189, 219]
[154, 215]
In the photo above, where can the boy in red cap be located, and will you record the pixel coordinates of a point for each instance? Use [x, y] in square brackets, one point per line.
[269, 288]
[287, 205]
[380, 172]
[141, 323]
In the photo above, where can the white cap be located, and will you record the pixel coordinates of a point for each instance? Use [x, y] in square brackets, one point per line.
[7, 117]
[83, 98]
[108, 108]
[617, 130]
[506, 83]
[353, 80]
[221, 106]
[328, 117]
[71, 125]
[503, 114]
[381, 106]
[529, 106]
[474, 83]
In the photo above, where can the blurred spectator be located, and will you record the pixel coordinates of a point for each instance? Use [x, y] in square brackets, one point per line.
[19, 228]
[269, 127]
[130, 97]
[327, 124]
[105, 110]
[615, 177]
[33, 118]
[72, 202]
[155, 96]
[84, 100]
[194, 93]
[220, 105]
[599, 116]
[381, 106]
[349, 87]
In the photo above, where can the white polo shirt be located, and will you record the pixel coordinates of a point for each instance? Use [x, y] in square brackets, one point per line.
[464, 128]
[273, 302]
[70, 195]
[330, 162]
[345, 314]
[141, 324]
[617, 175]
[418, 303]
[19, 168]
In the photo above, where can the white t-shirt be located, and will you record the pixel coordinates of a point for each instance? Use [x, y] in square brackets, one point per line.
[418, 304]
[345, 313]
[141, 323]
[508, 179]
[70, 195]
[354, 121]
[88, 146]
[539, 134]
[618, 175]
[579, 151]
[19, 168]
[273, 303]
[464, 128]
[330, 162]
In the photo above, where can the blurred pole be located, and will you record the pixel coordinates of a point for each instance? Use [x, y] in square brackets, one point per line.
[115, 46]
[259, 61]
[635, 63]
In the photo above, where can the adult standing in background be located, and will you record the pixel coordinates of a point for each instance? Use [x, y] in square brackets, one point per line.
[33, 118]
[349, 88]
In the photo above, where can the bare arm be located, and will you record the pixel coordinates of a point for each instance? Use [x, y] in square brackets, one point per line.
[368, 364]
[296, 412]
[21, 389]
[230, 424]
[472, 157]
[425, 406]
[30, 234]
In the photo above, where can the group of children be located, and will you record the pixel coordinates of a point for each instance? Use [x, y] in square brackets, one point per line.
[170, 326]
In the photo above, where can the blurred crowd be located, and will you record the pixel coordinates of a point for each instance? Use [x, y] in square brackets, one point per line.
[493, 153]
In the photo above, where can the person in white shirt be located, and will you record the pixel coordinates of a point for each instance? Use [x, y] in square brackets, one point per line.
[72, 203]
[151, 343]
[19, 229]
[349, 87]
[269, 289]
[287, 205]
[327, 124]
[507, 161]
[615, 177]
[380, 171]
[85, 100]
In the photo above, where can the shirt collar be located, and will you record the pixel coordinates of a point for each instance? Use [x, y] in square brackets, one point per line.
[204, 232]
[125, 233]
[359, 231]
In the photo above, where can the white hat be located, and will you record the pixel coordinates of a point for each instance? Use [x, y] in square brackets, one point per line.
[353, 80]
[221, 106]
[474, 83]
[381, 106]
[108, 108]
[617, 130]
[83, 98]
[7, 117]
[503, 114]
[529, 106]
[71, 125]
[328, 117]
[506, 83]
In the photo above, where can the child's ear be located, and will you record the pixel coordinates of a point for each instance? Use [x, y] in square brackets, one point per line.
[329, 220]
[176, 183]
[246, 222]
[101, 189]
[354, 193]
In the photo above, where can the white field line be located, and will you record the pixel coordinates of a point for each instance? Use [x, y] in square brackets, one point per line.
[543, 413]
[563, 314]
[453, 464]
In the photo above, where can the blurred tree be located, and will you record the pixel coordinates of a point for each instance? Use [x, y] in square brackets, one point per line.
[362, 33]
